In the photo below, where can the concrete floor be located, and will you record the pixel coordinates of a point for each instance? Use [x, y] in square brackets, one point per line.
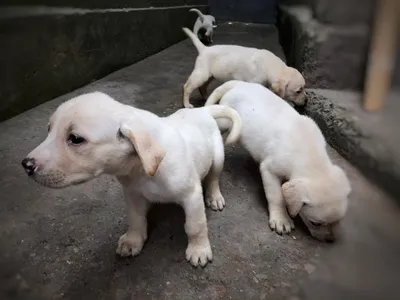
[60, 244]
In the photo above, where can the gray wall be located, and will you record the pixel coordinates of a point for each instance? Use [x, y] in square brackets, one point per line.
[47, 52]
[252, 11]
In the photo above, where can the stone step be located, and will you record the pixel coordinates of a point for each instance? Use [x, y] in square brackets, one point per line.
[330, 56]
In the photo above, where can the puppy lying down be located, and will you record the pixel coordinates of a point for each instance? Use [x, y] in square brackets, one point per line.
[291, 150]
[155, 159]
[227, 62]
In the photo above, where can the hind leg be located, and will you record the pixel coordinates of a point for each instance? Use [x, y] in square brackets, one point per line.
[213, 197]
[203, 88]
[199, 76]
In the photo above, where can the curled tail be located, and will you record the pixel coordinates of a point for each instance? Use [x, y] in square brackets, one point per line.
[196, 42]
[222, 111]
[219, 92]
[200, 14]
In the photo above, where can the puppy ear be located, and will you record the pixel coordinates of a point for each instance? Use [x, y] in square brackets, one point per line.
[150, 152]
[294, 193]
[279, 87]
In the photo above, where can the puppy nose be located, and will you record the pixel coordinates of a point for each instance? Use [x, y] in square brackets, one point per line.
[29, 165]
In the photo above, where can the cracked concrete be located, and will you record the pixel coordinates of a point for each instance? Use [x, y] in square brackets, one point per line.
[60, 244]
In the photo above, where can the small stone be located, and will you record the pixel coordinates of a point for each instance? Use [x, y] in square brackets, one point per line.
[309, 268]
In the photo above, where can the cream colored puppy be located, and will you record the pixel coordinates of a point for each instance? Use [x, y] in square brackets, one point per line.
[155, 159]
[290, 149]
[227, 62]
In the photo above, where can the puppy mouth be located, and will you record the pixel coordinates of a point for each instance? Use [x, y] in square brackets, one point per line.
[49, 182]
[301, 109]
[329, 238]
[57, 179]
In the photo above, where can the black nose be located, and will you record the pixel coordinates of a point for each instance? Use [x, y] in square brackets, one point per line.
[29, 165]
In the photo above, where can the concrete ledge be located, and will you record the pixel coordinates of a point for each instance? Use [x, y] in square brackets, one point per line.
[369, 141]
[332, 57]
[344, 12]
[44, 57]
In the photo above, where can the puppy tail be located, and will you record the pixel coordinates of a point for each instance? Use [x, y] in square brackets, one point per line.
[199, 13]
[196, 42]
[219, 92]
[225, 112]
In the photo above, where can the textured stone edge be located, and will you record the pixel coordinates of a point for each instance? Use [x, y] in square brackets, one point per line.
[363, 151]
[310, 47]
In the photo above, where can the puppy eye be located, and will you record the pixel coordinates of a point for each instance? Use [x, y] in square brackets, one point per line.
[75, 139]
[48, 128]
[299, 91]
[316, 224]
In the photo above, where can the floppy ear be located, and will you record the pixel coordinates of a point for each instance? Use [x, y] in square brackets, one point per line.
[150, 152]
[294, 193]
[279, 87]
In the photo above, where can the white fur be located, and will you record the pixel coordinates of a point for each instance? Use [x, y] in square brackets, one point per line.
[227, 62]
[155, 159]
[204, 21]
[290, 149]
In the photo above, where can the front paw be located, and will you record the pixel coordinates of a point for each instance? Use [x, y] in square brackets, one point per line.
[280, 222]
[188, 105]
[216, 202]
[199, 253]
[130, 244]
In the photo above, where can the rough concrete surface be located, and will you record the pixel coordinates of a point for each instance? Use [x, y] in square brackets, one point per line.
[329, 56]
[344, 12]
[60, 244]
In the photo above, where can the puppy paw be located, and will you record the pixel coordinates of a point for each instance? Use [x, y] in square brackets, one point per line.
[199, 254]
[281, 223]
[216, 202]
[189, 105]
[130, 244]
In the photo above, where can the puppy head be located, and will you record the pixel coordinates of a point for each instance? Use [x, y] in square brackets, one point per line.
[290, 86]
[321, 202]
[87, 137]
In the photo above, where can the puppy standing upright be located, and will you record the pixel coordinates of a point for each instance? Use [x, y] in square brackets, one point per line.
[155, 159]
[206, 23]
[290, 148]
[227, 62]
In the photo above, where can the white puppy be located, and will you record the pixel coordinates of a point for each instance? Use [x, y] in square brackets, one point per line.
[290, 149]
[155, 159]
[227, 62]
[206, 22]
